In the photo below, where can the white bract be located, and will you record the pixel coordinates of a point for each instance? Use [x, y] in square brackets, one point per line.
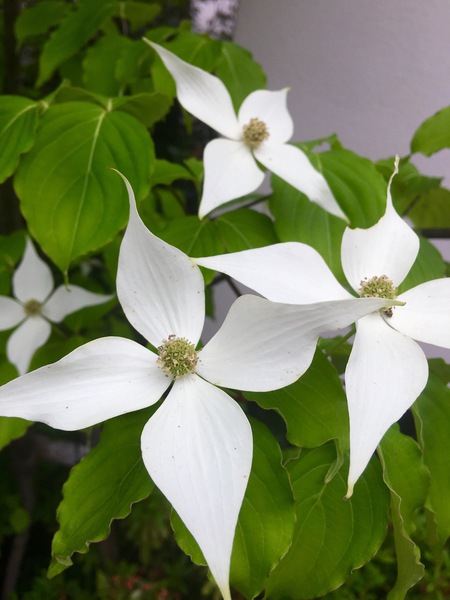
[387, 370]
[35, 304]
[197, 447]
[259, 131]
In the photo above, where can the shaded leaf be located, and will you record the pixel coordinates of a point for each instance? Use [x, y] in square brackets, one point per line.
[99, 64]
[102, 487]
[314, 407]
[432, 415]
[38, 19]
[407, 479]
[332, 536]
[148, 108]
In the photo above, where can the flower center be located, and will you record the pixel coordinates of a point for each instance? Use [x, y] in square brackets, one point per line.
[177, 357]
[255, 132]
[32, 308]
[379, 287]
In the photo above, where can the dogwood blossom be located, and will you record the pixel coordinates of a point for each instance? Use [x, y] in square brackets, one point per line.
[35, 305]
[387, 370]
[259, 132]
[197, 447]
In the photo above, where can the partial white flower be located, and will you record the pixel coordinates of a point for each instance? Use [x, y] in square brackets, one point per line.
[35, 305]
[197, 447]
[260, 131]
[387, 370]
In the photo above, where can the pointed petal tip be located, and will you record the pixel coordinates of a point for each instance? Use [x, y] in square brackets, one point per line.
[349, 493]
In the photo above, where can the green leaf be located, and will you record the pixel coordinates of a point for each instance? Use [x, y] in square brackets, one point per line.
[192, 236]
[12, 429]
[197, 49]
[138, 14]
[408, 480]
[314, 407]
[244, 228]
[71, 200]
[332, 536]
[432, 210]
[432, 415]
[99, 65]
[299, 220]
[75, 30]
[239, 72]
[434, 134]
[148, 108]
[102, 487]
[38, 19]
[356, 184]
[408, 185]
[166, 172]
[266, 521]
[428, 265]
[18, 122]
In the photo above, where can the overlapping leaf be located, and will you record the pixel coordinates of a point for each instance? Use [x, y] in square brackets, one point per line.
[18, 122]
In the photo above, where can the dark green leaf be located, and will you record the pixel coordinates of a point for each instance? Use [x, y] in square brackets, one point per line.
[166, 172]
[38, 19]
[18, 122]
[314, 407]
[12, 429]
[432, 210]
[138, 14]
[102, 487]
[332, 536]
[266, 520]
[408, 480]
[71, 199]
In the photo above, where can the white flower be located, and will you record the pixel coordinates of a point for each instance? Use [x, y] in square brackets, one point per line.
[387, 370]
[35, 304]
[197, 447]
[259, 131]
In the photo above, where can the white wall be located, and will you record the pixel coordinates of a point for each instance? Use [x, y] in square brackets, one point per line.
[369, 70]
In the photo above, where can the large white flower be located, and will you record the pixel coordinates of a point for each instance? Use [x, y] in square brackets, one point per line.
[197, 447]
[260, 131]
[35, 305]
[387, 370]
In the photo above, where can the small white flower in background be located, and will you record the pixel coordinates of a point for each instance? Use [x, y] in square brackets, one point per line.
[387, 370]
[35, 305]
[197, 447]
[259, 131]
